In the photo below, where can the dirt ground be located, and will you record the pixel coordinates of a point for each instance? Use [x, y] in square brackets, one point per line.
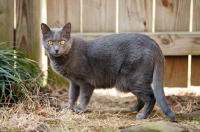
[107, 112]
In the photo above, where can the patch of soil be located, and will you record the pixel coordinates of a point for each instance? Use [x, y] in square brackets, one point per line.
[103, 99]
[107, 105]
[106, 112]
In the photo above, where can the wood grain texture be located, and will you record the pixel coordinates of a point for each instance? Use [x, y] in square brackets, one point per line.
[99, 15]
[196, 15]
[135, 15]
[174, 74]
[172, 15]
[59, 12]
[176, 44]
[172, 44]
[195, 73]
[28, 28]
[6, 21]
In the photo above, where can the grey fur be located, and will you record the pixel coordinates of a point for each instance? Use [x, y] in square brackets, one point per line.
[129, 62]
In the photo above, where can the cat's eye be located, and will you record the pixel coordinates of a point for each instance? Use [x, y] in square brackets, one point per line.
[62, 42]
[50, 42]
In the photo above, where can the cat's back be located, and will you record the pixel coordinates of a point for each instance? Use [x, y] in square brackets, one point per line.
[123, 43]
[123, 39]
[120, 37]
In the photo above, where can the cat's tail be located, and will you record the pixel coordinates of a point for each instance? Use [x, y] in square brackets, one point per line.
[158, 83]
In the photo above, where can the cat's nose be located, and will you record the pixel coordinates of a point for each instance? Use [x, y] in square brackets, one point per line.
[56, 51]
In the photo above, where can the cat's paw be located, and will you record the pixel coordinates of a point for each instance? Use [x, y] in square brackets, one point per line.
[140, 116]
[67, 106]
[136, 107]
[78, 109]
[132, 108]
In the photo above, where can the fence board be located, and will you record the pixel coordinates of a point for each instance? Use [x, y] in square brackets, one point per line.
[196, 15]
[28, 28]
[59, 12]
[178, 43]
[173, 15]
[195, 73]
[6, 21]
[172, 44]
[174, 74]
[99, 15]
[135, 15]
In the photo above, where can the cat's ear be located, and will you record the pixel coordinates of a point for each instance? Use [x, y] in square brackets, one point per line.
[44, 28]
[67, 28]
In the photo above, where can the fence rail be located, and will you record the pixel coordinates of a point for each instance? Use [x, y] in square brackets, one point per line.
[173, 24]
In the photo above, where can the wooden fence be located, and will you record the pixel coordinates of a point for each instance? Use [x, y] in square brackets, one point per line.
[173, 24]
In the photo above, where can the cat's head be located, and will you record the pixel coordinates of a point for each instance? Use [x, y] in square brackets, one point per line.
[57, 41]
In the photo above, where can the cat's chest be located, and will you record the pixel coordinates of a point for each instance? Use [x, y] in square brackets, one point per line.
[57, 67]
[68, 69]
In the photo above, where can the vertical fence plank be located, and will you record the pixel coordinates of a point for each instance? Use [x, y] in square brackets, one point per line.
[176, 71]
[196, 15]
[99, 15]
[59, 12]
[135, 15]
[173, 15]
[195, 73]
[28, 28]
[6, 21]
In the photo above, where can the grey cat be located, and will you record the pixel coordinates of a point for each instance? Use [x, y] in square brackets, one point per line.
[128, 61]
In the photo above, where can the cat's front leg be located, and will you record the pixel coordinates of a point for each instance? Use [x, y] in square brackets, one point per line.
[74, 91]
[85, 95]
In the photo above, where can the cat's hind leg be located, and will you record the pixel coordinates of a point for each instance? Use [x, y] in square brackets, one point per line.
[137, 106]
[147, 96]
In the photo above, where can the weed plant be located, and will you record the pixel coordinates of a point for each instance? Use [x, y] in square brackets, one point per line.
[20, 77]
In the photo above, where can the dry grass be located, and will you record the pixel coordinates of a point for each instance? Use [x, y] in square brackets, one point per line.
[106, 113]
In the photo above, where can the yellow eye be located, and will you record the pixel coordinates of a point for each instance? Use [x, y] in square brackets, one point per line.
[50, 42]
[62, 42]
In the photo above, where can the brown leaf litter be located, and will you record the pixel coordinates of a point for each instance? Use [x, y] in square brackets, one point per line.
[107, 111]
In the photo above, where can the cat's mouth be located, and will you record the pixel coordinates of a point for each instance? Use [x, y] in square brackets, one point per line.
[57, 54]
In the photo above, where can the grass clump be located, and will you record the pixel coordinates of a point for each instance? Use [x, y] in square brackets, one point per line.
[19, 76]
